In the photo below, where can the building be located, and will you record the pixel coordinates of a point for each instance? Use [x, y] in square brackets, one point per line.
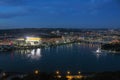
[29, 41]
[33, 41]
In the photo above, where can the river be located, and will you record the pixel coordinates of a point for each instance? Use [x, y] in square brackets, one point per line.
[73, 57]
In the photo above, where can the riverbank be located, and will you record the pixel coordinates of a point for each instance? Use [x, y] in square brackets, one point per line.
[58, 76]
[19, 47]
[111, 48]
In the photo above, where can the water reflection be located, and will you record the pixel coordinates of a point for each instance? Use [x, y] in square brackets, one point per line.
[101, 54]
[98, 55]
[35, 54]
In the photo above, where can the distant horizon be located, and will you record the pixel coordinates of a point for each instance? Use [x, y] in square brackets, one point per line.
[56, 28]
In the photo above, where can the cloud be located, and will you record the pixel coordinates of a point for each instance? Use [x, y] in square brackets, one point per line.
[16, 8]
[14, 2]
[56, 7]
[96, 6]
[16, 12]
[11, 2]
[100, 1]
[10, 15]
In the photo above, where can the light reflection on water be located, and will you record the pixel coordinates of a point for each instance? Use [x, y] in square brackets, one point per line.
[31, 54]
[35, 54]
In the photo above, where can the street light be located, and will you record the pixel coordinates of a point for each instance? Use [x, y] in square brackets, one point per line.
[57, 72]
[68, 72]
[36, 72]
[79, 72]
[4, 74]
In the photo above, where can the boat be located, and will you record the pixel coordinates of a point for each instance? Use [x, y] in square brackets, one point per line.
[98, 50]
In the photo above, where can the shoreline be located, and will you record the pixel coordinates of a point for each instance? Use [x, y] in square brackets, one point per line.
[112, 52]
[14, 47]
[58, 76]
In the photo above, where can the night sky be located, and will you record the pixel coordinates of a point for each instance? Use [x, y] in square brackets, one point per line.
[59, 13]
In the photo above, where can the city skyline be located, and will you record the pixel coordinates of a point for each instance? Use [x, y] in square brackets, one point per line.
[59, 13]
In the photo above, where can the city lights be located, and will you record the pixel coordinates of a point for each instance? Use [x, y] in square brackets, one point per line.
[57, 72]
[68, 72]
[36, 72]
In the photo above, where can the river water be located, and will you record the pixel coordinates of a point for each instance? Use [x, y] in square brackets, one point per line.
[72, 57]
